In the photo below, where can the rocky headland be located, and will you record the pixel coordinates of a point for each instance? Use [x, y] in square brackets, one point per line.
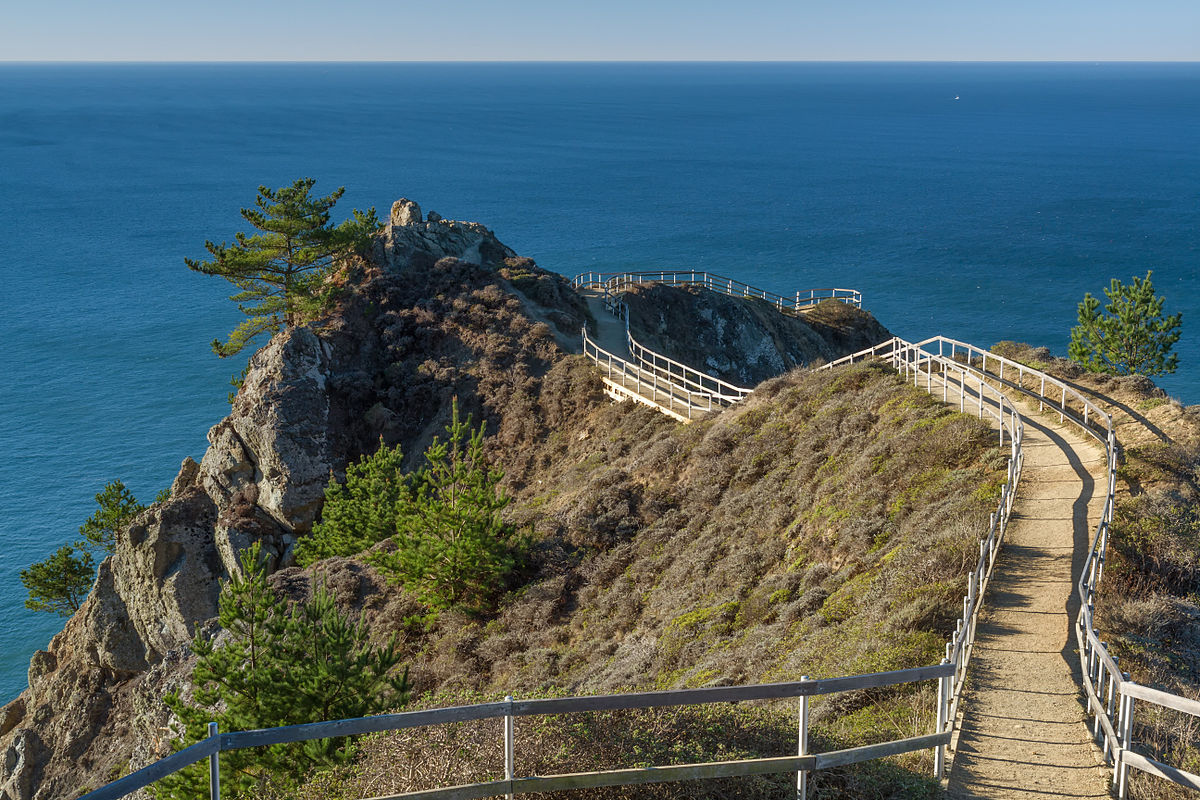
[664, 555]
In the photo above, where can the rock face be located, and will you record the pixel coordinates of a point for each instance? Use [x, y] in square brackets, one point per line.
[314, 398]
[445, 310]
[744, 342]
[410, 241]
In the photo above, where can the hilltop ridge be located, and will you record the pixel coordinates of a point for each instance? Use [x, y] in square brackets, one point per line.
[603, 488]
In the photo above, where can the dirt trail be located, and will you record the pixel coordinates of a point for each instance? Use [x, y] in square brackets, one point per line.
[610, 330]
[1023, 730]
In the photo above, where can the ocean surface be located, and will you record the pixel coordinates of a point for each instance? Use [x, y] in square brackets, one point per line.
[979, 201]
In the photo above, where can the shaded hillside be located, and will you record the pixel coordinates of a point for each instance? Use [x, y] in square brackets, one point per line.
[744, 341]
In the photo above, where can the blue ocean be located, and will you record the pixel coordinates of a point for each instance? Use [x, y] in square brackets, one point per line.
[979, 201]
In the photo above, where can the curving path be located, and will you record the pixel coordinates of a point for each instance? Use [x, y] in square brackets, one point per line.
[1023, 731]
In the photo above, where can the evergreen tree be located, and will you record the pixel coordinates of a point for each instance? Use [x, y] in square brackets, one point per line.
[279, 666]
[61, 582]
[117, 508]
[360, 512]
[1131, 337]
[449, 544]
[452, 548]
[281, 271]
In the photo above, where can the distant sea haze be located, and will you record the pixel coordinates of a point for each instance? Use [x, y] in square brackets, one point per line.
[978, 201]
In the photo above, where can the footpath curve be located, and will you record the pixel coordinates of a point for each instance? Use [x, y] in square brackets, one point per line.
[1024, 727]
[1023, 730]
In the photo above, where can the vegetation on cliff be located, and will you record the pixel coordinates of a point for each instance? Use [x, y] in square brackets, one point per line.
[278, 664]
[824, 527]
[61, 582]
[446, 541]
[282, 272]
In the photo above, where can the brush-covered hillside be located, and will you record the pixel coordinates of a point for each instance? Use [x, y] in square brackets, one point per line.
[824, 527]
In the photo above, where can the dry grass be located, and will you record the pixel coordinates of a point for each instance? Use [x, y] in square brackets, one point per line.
[825, 527]
[463, 753]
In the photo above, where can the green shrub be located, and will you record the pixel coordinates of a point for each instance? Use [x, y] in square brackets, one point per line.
[451, 547]
[279, 666]
[448, 543]
[360, 512]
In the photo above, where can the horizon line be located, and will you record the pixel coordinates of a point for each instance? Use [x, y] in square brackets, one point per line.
[131, 61]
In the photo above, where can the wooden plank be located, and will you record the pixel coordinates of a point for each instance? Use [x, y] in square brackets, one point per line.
[1173, 774]
[156, 771]
[466, 791]
[241, 740]
[678, 772]
[840, 758]
[730, 694]
[1161, 698]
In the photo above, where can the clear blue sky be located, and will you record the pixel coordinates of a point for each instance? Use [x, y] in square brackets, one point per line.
[423, 30]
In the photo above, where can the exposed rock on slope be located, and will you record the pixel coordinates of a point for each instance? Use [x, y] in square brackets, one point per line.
[744, 341]
[448, 311]
[409, 338]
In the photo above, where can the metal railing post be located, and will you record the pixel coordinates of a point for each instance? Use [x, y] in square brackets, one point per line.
[1121, 774]
[214, 767]
[802, 750]
[939, 752]
[508, 746]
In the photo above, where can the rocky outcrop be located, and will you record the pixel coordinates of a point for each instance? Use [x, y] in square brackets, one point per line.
[412, 241]
[424, 325]
[741, 341]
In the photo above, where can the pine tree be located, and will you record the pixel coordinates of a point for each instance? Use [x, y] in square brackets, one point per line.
[61, 582]
[117, 508]
[449, 544]
[360, 512]
[280, 665]
[281, 271]
[1131, 337]
[452, 547]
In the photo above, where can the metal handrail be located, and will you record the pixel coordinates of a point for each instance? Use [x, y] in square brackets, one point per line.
[718, 283]
[1111, 695]
[509, 709]
[675, 373]
[646, 386]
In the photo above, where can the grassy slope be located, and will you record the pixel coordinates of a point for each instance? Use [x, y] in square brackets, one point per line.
[822, 528]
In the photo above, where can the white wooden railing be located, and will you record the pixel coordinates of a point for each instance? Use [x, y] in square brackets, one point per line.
[650, 373]
[1111, 695]
[802, 763]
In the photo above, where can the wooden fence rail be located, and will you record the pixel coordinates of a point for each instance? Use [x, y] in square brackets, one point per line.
[1111, 695]
[509, 709]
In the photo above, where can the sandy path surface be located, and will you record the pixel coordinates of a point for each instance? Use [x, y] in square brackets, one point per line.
[610, 330]
[1023, 731]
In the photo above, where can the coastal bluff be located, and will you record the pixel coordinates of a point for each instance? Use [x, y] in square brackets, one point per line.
[440, 310]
